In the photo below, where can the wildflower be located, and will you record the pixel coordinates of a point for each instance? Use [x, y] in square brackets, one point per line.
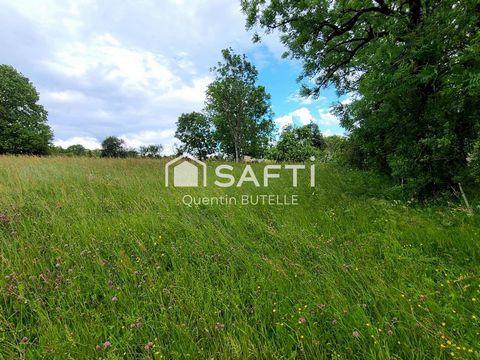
[149, 346]
[24, 340]
[136, 325]
[334, 322]
[219, 326]
[302, 321]
[114, 299]
[98, 348]
[356, 334]
[107, 344]
[423, 297]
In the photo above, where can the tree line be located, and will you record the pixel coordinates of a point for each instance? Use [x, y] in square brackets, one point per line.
[112, 146]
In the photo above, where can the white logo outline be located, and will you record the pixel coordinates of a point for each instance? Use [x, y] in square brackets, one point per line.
[185, 157]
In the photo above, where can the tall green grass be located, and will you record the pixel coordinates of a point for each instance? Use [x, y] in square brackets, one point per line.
[96, 251]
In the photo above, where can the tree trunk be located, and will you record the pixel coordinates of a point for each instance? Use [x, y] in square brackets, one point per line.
[237, 151]
[415, 11]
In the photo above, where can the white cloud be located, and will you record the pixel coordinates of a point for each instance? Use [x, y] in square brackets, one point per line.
[111, 68]
[329, 132]
[66, 96]
[135, 140]
[301, 116]
[327, 118]
[328, 122]
[302, 100]
[87, 142]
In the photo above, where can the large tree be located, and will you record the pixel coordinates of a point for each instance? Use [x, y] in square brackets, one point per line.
[23, 121]
[239, 109]
[413, 65]
[195, 131]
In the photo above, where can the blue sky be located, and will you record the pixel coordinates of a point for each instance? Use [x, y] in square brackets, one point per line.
[129, 68]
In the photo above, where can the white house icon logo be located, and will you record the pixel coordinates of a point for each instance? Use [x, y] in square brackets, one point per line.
[186, 173]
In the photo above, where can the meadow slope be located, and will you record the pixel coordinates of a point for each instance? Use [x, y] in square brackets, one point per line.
[99, 259]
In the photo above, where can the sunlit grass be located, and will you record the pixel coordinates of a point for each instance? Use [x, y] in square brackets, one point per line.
[100, 259]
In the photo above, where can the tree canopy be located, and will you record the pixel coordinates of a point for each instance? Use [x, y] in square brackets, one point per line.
[195, 131]
[412, 66]
[113, 146]
[23, 121]
[298, 144]
[238, 108]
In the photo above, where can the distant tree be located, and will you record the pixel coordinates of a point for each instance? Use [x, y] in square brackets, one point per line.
[195, 132]
[77, 150]
[151, 151]
[130, 152]
[298, 144]
[56, 150]
[23, 122]
[94, 153]
[112, 146]
[240, 110]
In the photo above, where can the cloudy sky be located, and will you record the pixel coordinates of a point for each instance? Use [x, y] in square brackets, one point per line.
[130, 68]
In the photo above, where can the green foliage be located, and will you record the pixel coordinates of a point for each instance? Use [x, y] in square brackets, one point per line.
[97, 250]
[114, 147]
[334, 149]
[475, 161]
[77, 150]
[195, 131]
[23, 122]
[74, 150]
[238, 108]
[415, 70]
[151, 151]
[298, 144]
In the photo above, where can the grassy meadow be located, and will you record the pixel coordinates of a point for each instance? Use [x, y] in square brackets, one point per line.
[100, 260]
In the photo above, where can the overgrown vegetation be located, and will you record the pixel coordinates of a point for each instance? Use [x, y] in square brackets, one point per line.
[352, 272]
[413, 67]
